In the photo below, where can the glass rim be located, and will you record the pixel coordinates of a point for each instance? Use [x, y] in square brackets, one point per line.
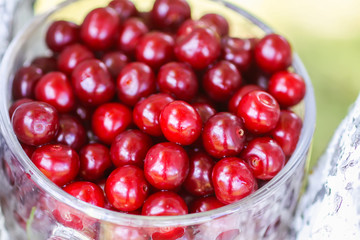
[137, 220]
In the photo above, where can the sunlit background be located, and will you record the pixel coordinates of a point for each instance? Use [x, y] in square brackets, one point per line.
[326, 35]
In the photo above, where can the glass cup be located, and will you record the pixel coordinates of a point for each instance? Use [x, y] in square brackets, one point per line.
[35, 208]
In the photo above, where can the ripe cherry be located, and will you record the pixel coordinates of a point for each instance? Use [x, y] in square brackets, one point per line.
[189, 25]
[238, 51]
[124, 8]
[45, 63]
[205, 204]
[16, 104]
[205, 110]
[218, 22]
[61, 34]
[236, 98]
[86, 191]
[115, 61]
[71, 132]
[164, 204]
[71, 56]
[25, 81]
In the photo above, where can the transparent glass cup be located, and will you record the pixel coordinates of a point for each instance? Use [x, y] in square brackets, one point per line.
[35, 208]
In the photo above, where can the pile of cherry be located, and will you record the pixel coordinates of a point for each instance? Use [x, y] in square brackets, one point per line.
[155, 113]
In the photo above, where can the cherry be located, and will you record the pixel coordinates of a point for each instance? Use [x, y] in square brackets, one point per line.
[236, 98]
[87, 192]
[71, 132]
[221, 81]
[16, 104]
[92, 82]
[61, 34]
[265, 157]
[166, 166]
[24, 82]
[35, 123]
[84, 113]
[178, 80]
[198, 181]
[259, 110]
[189, 25]
[71, 56]
[180, 123]
[287, 131]
[126, 188]
[205, 110]
[55, 88]
[232, 180]
[135, 81]
[205, 204]
[199, 48]
[273, 53]
[287, 88]
[146, 113]
[155, 49]
[124, 8]
[238, 51]
[130, 148]
[115, 61]
[46, 64]
[99, 28]
[220, 24]
[223, 135]
[164, 204]
[57, 162]
[94, 161]
[109, 120]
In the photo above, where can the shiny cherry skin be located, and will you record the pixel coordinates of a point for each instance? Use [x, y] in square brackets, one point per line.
[170, 14]
[218, 22]
[45, 63]
[205, 204]
[35, 123]
[232, 180]
[147, 111]
[16, 104]
[71, 56]
[115, 61]
[61, 34]
[55, 88]
[124, 8]
[273, 53]
[84, 113]
[179, 80]
[205, 111]
[199, 48]
[86, 191]
[25, 81]
[135, 81]
[109, 120]
[189, 25]
[164, 204]
[287, 88]
[99, 28]
[223, 135]
[130, 148]
[126, 188]
[155, 49]
[265, 157]
[180, 123]
[71, 132]
[221, 81]
[236, 98]
[166, 166]
[94, 161]
[58, 162]
[287, 131]
[199, 182]
[259, 111]
[92, 82]
[238, 51]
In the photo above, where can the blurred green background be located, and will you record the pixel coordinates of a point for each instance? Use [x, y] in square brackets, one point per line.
[326, 36]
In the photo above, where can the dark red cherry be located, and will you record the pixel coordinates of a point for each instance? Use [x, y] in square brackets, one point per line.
[124, 8]
[236, 98]
[16, 104]
[99, 28]
[92, 82]
[205, 110]
[86, 191]
[61, 34]
[205, 204]
[109, 120]
[84, 113]
[46, 64]
[71, 56]
[164, 204]
[126, 188]
[189, 25]
[223, 135]
[180, 123]
[238, 51]
[179, 80]
[219, 23]
[166, 166]
[71, 132]
[24, 82]
[232, 180]
[35, 123]
[135, 81]
[115, 61]
[57, 162]
[265, 157]
[130, 148]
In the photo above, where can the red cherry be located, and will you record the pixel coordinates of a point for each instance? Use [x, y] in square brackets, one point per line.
[205, 110]
[126, 188]
[180, 123]
[135, 81]
[55, 88]
[99, 28]
[146, 113]
[178, 80]
[265, 157]
[220, 24]
[115, 62]
[57, 162]
[35, 123]
[92, 82]
[238, 51]
[61, 34]
[84, 113]
[223, 135]
[46, 64]
[260, 111]
[164, 204]
[109, 120]
[205, 204]
[166, 166]
[87, 192]
[189, 25]
[273, 53]
[233, 180]
[24, 82]
[130, 148]
[236, 98]
[287, 88]
[16, 104]
[124, 8]
[71, 56]
[71, 132]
